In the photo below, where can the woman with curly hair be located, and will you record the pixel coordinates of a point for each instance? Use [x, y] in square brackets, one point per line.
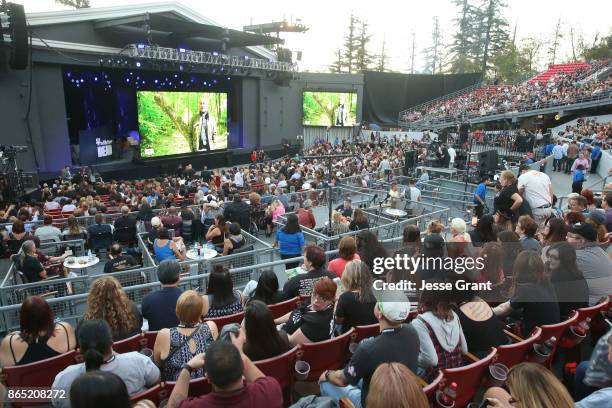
[107, 301]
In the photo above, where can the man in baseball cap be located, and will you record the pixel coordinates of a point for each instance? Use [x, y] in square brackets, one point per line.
[592, 261]
[396, 343]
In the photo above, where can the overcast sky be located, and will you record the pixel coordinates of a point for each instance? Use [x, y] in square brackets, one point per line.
[393, 21]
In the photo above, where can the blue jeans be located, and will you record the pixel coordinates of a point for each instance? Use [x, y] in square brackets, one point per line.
[352, 392]
[582, 390]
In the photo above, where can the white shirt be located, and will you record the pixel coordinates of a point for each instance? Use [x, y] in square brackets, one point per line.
[68, 208]
[136, 370]
[238, 179]
[452, 153]
[537, 188]
[281, 184]
[414, 195]
[52, 205]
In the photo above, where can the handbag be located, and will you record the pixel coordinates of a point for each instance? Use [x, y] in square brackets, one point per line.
[173, 352]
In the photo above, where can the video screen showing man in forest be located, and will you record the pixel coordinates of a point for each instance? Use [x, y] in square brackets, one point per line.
[181, 122]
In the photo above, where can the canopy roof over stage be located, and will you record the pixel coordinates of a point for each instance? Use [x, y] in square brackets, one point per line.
[170, 24]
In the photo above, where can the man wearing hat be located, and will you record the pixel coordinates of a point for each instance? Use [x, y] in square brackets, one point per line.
[397, 342]
[592, 261]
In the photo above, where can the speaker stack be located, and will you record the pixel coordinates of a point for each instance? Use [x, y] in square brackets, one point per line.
[17, 30]
[487, 162]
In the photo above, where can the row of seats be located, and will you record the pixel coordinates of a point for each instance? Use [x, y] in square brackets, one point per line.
[333, 354]
[555, 69]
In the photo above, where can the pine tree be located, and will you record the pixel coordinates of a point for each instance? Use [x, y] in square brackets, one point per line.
[363, 59]
[433, 59]
[350, 45]
[77, 4]
[466, 35]
[382, 59]
[554, 45]
[336, 66]
[493, 31]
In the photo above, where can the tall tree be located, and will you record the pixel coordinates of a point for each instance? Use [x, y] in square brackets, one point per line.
[433, 59]
[77, 4]
[493, 31]
[554, 44]
[465, 37]
[529, 50]
[598, 49]
[350, 45]
[363, 58]
[382, 58]
[336, 66]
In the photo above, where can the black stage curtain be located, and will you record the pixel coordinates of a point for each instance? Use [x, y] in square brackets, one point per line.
[386, 94]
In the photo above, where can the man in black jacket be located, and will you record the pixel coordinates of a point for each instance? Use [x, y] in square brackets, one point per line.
[238, 211]
[125, 228]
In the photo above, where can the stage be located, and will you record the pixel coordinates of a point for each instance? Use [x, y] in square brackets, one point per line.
[126, 169]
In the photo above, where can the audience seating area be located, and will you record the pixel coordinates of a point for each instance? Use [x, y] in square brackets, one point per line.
[331, 354]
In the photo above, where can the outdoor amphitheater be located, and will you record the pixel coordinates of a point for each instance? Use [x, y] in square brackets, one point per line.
[190, 218]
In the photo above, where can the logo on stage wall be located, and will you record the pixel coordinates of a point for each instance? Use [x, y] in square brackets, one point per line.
[105, 147]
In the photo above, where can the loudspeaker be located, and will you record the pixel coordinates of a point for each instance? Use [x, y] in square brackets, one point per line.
[410, 159]
[487, 162]
[283, 79]
[18, 57]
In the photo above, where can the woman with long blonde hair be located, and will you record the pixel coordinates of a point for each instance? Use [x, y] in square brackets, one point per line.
[530, 385]
[107, 301]
[394, 385]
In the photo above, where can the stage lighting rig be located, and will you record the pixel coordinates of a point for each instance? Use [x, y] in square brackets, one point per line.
[202, 58]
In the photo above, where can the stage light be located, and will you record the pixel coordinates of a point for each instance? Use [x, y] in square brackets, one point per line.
[182, 50]
[181, 82]
[68, 74]
[95, 78]
[155, 81]
[138, 64]
[140, 46]
[176, 75]
[180, 68]
[82, 80]
[215, 53]
[204, 82]
[127, 79]
[228, 78]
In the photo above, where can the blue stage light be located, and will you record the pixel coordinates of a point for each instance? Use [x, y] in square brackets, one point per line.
[181, 50]
[68, 74]
[138, 64]
[95, 78]
[127, 79]
[175, 75]
[180, 68]
[155, 81]
[140, 46]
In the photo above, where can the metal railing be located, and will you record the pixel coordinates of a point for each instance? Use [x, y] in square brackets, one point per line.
[12, 278]
[502, 111]
[71, 308]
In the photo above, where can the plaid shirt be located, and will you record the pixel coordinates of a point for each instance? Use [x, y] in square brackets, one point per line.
[446, 359]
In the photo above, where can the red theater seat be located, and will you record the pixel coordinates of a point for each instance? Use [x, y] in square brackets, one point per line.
[222, 321]
[512, 354]
[281, 368]
[282, 308]
[468, 378]
[133, 343]
[325, 355]
[38, 374]
[430, 389]
[557, 331]
[363, 332]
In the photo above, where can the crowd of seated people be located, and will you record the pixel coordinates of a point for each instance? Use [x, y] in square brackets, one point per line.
[447, 325]
[561, 89]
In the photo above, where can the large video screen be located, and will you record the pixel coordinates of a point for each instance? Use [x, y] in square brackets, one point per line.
[329, 109]
[181, 122]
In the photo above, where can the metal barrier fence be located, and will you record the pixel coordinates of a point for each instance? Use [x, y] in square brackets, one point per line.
[87, 220]
[71, 308]
[12, 275]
